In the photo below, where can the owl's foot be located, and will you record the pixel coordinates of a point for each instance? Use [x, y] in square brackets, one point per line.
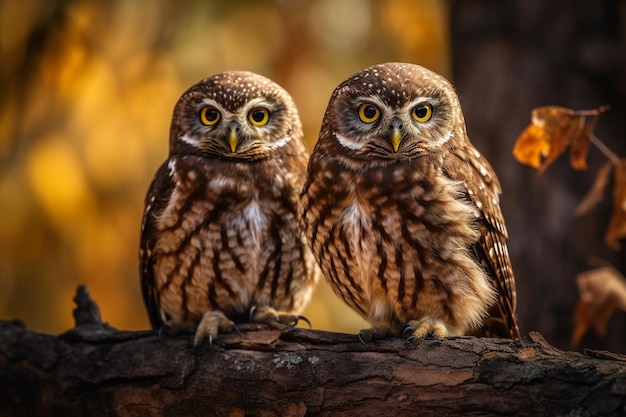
[419, 329]
[212, 323]
[370, 335]
[276, 319]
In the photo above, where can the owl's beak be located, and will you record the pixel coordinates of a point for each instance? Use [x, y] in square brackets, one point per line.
[233, 140]
[396, 138]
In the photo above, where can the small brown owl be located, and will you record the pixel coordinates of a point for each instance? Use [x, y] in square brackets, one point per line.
[220, 239]
[402, 212]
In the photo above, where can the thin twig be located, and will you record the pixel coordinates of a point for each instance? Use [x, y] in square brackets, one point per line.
[604, 149]
[592, 112]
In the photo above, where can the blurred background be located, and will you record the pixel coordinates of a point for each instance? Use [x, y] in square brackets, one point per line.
[87, 89]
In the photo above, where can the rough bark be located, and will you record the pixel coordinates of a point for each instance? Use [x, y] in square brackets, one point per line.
[96, 370]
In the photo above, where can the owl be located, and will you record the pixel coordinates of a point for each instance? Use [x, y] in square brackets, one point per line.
[402, 212]
[220, 237]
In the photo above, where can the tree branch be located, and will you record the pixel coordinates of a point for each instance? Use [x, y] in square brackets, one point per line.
[98, 371]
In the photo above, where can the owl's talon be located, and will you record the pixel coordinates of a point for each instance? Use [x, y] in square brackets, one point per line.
[212, 323]
[304, 319]
[236, 329]
[407, 335]
[408, 330]
[198, 341]
[275, 319]
[363, 342]
[251, 315]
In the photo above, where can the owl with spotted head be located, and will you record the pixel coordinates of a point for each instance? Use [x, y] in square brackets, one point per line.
[220, 237]
[402, 212]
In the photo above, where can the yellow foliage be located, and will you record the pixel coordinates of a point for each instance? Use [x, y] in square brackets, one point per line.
[58, 181]
[423, 33]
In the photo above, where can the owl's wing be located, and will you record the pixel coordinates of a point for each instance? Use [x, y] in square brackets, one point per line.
[483, 189]
[157, 198]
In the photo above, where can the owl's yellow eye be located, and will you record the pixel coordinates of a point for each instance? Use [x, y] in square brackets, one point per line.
[259, 116]
[368, 113]
[422, 113]
[209, 116]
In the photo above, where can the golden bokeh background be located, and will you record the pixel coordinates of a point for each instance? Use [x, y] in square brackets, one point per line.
[86, 94]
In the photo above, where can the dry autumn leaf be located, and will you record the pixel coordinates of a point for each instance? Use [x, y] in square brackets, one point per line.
[617, 225]
[580, 141]
[531, 146]
[552, 131]
[602, 291]
[595, 194]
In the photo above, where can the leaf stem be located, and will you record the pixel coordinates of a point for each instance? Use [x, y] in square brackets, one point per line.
[592, 112]
[604, 149]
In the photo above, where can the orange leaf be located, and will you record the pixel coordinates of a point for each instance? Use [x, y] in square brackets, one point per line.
[560, 125]
[580, 143]
[617, 225]
[552, 131]
[531, 146]
[595, 194]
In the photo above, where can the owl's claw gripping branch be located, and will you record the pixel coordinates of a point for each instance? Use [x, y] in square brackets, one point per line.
[276, 319]
[213, 322]
[407, 333]
[209, 336]
[419, 329]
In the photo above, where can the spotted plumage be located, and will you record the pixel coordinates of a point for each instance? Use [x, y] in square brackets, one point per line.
[220, 239]
[402, 212]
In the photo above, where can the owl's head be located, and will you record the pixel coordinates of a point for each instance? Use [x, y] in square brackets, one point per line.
[392, 111]
[235, 114]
